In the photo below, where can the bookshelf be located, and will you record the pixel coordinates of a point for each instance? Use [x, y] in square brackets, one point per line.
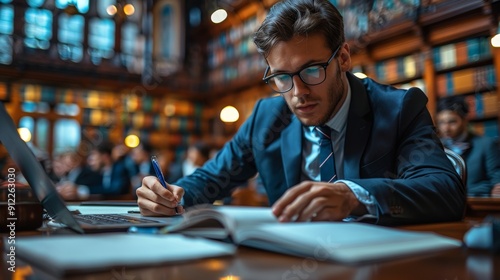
[232, 60]
[447, 52]
[440, 46]
[169, 124]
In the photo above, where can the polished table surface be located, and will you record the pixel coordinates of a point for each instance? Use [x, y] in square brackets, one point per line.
[247, 263]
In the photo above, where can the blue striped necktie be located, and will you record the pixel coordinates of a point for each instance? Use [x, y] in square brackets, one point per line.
[326, 158]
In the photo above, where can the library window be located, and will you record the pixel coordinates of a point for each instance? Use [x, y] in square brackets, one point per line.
[67, 134]
[38, 28]
[6, 29]
[70, 35]
[130, 45]
[101, 39]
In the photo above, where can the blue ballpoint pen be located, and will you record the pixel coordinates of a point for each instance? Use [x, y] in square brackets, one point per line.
[159, 174]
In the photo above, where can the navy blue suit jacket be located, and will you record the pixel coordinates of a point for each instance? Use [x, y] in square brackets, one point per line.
[391, 150]
[119, 182]
[483, 165]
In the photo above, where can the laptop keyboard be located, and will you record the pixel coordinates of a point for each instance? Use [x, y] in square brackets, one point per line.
[110, 219]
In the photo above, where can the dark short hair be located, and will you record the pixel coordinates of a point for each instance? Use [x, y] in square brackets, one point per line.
[203, 148]
[455, 104]
[146, 146]
[290, 18]
[105, 147]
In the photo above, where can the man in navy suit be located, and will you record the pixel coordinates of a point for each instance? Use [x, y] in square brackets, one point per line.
[112, 176]
[481, 153]
[389, 162]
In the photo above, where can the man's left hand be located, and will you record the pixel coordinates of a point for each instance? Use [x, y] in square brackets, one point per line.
[317, 201]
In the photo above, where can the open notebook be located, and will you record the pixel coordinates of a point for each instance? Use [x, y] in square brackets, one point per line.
[346, 242]
[47, 194]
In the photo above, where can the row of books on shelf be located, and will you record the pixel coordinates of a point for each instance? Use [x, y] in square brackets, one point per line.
[461, 53]
[488, 128]
[54, 95]
[149, 104]
[97, 117]
[92, 99]
[444, 57]
[466, 80]
[222, 54]
[398, 68]
[140, 120]
[164, 138]
[234, 34]
[418, 83]
[482, 105]
[152, 121]
[242, 68]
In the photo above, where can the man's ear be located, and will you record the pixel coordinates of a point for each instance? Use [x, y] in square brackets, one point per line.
[345, 58]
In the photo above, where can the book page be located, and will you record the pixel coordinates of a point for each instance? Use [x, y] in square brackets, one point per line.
[220, 222]
[340, 241]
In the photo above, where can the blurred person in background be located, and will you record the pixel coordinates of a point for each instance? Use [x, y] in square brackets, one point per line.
[480, 153]
[114, 175]
[196, 155]
[75, 178]
[142, 166]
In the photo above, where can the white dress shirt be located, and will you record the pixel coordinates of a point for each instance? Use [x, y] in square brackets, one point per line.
[311, 150]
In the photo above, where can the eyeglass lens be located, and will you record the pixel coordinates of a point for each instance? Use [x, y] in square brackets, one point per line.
[311, 76]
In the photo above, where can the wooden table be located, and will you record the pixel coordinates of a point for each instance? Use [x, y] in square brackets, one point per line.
[454, 264]
[483, 206]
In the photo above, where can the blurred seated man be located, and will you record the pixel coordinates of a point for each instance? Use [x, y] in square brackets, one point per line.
[114, 175]
[141, 157]
[75, 179]
[196, 155]
[481, 153]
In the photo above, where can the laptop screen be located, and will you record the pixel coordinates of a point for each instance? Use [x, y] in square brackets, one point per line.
[33, 171]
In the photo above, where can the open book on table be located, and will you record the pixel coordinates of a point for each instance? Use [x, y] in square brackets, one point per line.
[333, 241]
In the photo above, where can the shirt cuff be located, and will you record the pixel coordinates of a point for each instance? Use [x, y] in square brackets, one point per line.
[363, 196]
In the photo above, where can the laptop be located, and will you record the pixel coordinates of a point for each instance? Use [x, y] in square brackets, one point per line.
[46, 192]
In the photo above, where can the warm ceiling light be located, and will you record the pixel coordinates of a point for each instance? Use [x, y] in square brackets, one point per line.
[229, 114]
[495, 41]
[169, 110]
[219, 16]
[129, 9]
[132, 141]
[24, 133]
[111, 10]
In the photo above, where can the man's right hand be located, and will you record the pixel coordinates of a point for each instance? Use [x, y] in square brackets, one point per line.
[154, 200]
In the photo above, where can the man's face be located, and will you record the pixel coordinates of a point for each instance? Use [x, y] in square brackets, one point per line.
[313, 105]
[138, 155]
[94, 161]
[450, 124]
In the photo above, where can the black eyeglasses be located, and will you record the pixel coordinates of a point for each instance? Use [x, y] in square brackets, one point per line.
[313, 74]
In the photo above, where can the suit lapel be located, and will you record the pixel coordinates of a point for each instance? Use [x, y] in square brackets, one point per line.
[358, 128]
[291, 151]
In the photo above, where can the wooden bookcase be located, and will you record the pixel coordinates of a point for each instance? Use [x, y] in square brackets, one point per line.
[168, 124]
[442, 47]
